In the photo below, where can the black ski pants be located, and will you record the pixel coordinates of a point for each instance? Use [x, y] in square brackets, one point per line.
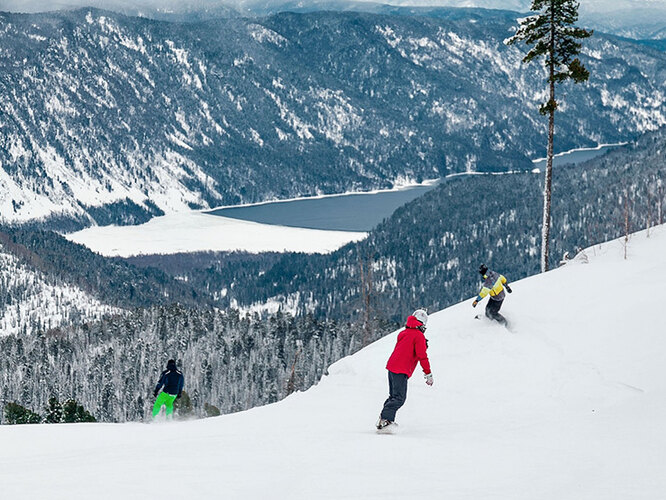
[397, 395]
[492, 310]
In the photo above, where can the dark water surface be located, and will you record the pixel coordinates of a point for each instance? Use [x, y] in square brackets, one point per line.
[354, 212]
[351, 212]
[575, 157]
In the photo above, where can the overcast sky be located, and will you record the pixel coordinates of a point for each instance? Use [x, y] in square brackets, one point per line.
[46, 5]
[521, 5]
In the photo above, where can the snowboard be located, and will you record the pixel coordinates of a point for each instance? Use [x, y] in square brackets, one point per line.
[389, 429]
[505, 324]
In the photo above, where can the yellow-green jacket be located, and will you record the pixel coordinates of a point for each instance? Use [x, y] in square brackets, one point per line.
[493, 285]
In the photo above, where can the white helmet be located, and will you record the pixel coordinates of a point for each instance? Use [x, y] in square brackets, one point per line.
[421, 315]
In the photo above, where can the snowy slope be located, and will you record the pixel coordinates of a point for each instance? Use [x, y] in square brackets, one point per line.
[571, 404]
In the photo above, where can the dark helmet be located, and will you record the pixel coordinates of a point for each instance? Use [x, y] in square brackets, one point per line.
[483, 269]
[171, 364]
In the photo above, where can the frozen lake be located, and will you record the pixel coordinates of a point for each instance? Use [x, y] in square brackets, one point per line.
[358, 211]
[312, 225]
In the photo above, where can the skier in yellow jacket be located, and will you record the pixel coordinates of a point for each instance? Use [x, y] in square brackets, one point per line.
[493, 285]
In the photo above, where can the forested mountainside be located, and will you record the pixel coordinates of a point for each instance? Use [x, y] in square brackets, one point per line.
[112, 119]
[655, 44]
[428, 252]
[230, 362]
[112, 281]
[47, 282]
[31, 300]
[642, 20]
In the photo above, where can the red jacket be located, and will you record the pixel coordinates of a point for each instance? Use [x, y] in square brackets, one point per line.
[410, 349]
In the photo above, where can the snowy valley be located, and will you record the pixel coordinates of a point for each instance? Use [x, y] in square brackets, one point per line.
[121, 132]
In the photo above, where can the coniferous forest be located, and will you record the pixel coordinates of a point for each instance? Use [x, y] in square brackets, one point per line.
[230, 362]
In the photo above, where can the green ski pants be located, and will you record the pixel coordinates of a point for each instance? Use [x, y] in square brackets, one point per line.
[164, 399]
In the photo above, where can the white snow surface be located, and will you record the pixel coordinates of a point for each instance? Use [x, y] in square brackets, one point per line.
[199, 232]
[569, 404]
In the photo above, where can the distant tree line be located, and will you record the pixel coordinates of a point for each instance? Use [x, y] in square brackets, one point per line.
[112, 281]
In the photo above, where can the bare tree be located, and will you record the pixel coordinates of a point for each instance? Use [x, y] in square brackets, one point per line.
[291, 383]
[649, 209]
[660, 201]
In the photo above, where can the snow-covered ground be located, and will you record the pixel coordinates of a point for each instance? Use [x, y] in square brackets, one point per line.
[198, 232]
[569, 404]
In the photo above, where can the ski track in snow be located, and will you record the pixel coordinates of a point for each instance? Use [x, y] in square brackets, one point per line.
[569, 405]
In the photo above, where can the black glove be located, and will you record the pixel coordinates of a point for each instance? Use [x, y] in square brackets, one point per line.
[156, 392]
[508, 288]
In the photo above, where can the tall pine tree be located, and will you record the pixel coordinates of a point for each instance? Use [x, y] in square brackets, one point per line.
[552, 34]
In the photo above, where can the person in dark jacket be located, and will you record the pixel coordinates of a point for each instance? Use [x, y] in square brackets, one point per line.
[171, 382]
[493, 286]
[409, 350]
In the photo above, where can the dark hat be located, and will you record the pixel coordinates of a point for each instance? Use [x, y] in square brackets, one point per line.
[483, 269]
[171, 364]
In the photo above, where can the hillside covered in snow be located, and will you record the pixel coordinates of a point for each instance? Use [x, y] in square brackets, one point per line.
[569, 404]
[47, 282]
[113, 119]
[31, 300]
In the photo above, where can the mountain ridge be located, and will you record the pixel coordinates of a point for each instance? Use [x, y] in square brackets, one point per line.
[120, 119]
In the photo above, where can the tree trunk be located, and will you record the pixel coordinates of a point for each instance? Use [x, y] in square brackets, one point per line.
[291, 383]
[547, 185]
[660, 197]
[626, 222]
[547, 191]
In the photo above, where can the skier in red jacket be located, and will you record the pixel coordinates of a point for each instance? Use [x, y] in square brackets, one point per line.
[409, 350]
